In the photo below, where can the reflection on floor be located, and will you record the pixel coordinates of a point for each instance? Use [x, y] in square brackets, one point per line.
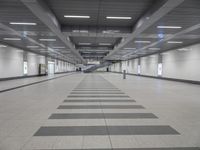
[95, 115]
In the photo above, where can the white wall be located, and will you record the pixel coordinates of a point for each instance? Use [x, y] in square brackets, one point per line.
[149, 65]
[11, 62]
[133, 66]
[62, 66]
[12, 59]
[33, 63]
[176, 64]
[182, 64]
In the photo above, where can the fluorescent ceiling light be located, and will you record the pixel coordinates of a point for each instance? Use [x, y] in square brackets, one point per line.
[129, 48]
[142, 41]
[81, 31]
[23, 23]
[165, 53]
[154, 48]
[105, 44]
[3, 46]
[74, 16]
[111, 17]
[32, 46]
[183, 49]
[111, 31]
[174, 42]
[169, 27]
[49, 40]
[12, 39]
[84, 43]
[59, 47]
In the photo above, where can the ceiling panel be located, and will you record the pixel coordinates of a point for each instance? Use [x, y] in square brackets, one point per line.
[98, 10]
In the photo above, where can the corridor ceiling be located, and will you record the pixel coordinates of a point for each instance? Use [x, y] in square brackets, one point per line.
[80, 30]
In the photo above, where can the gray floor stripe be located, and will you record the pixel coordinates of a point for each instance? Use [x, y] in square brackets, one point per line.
[100, 107]
[105, 130]
[98, 100]
[95, 90]
[157, 148]
[97, 93]
[103, 115]
[98, 96]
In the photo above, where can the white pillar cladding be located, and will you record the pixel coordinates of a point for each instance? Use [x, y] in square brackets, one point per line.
[178, 63]
[33, 63]
[11, 62]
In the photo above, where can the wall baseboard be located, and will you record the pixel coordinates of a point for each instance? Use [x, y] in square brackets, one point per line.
[163, 78]
[21, 77]
[30, 76]
[64, 72]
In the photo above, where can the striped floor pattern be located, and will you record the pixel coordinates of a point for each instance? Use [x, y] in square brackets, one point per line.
[99, 116]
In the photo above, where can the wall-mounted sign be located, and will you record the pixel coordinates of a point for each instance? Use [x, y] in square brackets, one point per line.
[25, 67]
[138, 69]
[160, 69]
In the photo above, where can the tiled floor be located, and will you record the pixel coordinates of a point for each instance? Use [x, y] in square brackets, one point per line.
[101, 111]
[10, 84]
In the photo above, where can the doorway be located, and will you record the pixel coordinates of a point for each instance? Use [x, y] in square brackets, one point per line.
[51, 68]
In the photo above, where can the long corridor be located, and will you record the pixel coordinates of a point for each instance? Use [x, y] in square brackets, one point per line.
[91, 111]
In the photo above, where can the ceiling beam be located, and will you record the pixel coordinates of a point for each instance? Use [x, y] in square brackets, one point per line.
[159, 10]
[11, 31]
[167, 38]
[41, 11]
[95, 31]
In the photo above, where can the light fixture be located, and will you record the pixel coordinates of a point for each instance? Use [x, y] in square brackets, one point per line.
[174, 42]
[105, 44]
[23, 23]
[112, 17]
[84, 43]
[154, 48]
[166, 53]
[129, 48]
[49, 40]
[32, 46]
[74, 16]
[3, 46]
[169, 27]
[59, 47]
[110, 31]
[81, 31]
[183, 49]
[12, 39]
[142, 41]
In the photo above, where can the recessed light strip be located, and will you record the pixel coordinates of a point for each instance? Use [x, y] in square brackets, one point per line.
[174, 42]
[32, 46]
[49, 40]
[154, 48]
[142, 41]
[112, 17]
[59, 47]
[74, 16]
[105, 44]
[23, 23]
[129, 48]
[84, 43]
[169, 27]
[12, 39]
